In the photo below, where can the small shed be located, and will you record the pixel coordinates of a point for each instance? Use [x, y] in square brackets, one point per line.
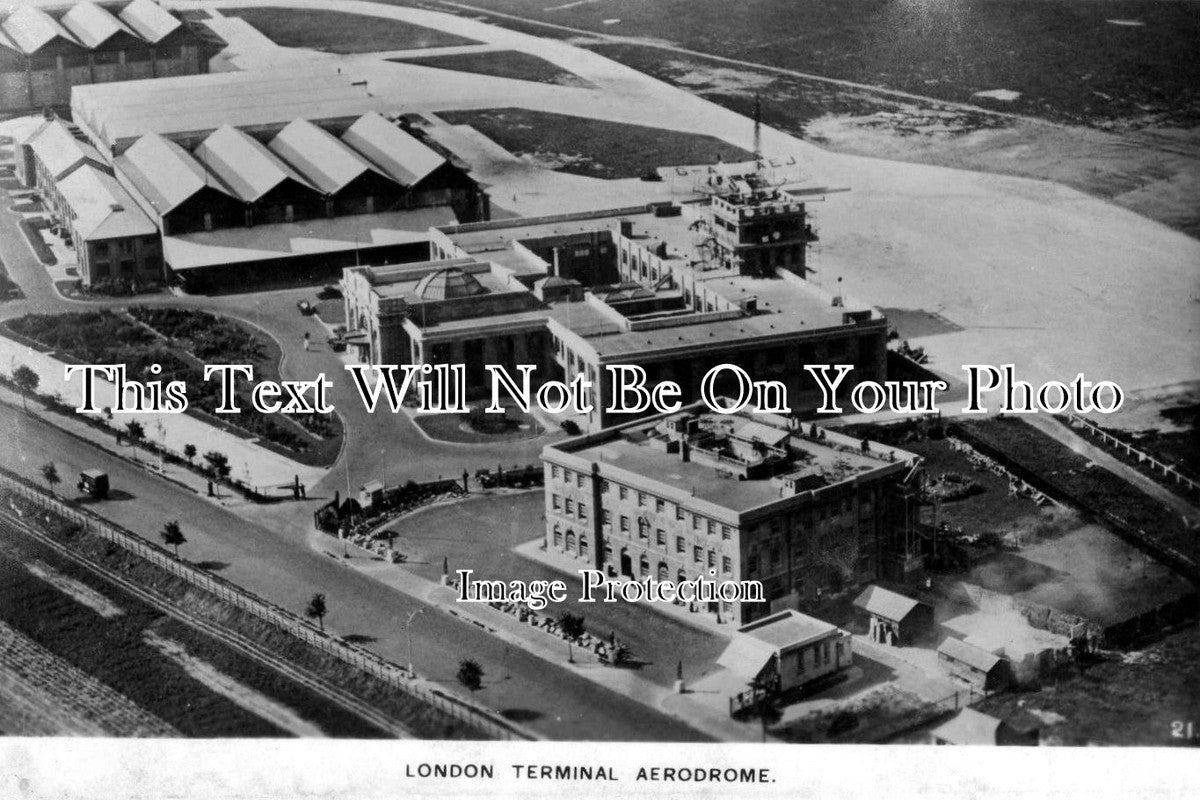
[971, 727]
[370, 494]
[893, 618]
[787, 650]
[984, 671]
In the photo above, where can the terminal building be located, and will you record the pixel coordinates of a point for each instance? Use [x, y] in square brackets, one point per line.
[250, 178]
[44, 51]
[674, 289]
[807, 512]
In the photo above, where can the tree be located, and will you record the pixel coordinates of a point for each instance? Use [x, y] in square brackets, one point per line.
[218, 463]
[571, 624]
[317, 610]
[50, 475]
[189, 452]
[135, 431]
[27, 381]
[470, 674]
[172, 536]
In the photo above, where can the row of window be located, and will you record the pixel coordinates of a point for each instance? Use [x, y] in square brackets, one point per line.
[644, 500]
[569, 507]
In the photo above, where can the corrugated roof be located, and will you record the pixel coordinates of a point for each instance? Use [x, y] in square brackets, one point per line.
[969, 654]
[325, 161]
[165, 173]
[31, 29]
[969, 727]
[885, 603]
[244, 164]
[60, 151]
[102, 209]
[399, 154]
[149, 20]
[92, 25]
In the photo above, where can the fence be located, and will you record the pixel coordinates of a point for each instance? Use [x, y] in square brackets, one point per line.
[391, 674]
[1141, 455]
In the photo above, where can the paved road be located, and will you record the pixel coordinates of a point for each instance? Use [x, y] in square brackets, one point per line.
[277, 563]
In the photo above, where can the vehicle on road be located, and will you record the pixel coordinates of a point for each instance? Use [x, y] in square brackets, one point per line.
[93, 483]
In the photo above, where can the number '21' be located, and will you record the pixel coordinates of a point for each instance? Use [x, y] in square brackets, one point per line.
[1182, 730]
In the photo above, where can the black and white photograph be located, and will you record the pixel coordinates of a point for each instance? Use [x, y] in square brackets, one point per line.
[599, 398]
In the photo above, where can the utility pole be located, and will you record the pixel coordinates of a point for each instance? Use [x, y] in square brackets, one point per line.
[408, 630]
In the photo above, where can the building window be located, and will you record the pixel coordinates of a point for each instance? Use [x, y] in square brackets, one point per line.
[570, 540]
[696, 520]
[727, 565]
[554, 472]
[579, 480]
[606, 516]
[641, 500]
[569, 506]
[660, 537]
[679, 513]
[726, 532]
[583, 512]
[583, 546]
[558, 539]
[643, 530]
[555, 502]
[643, 566]
[605, 487]
[698, 554]
[659, 504]
[712, 527]
[712, 559]
[624, 524]
[624, 493]
[567, 475]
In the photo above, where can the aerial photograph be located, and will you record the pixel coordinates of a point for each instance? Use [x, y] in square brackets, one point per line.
[681, 371]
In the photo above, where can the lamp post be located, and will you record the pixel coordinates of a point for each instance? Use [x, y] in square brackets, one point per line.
[408, 630]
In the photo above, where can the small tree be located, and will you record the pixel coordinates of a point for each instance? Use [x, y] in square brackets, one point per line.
[218, 463]
[135, 431]
[571, 624]
[189, 452]
[470, 674]
[50, 475]
[317, 610]
[27, 381]
[172, 536]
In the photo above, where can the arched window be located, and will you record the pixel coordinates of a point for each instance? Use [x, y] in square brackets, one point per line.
[662, 571]
[644, 565]
[570, 540]
[558, 539]
[681, 576]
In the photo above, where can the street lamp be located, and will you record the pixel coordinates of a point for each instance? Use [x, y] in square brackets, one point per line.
[408, 630]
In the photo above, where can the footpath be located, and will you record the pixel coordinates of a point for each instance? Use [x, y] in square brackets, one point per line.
[698, 711]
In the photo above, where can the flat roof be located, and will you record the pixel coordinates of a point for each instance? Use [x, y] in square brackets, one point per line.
[788, 629]
[630, 447]
[307, 237]
[198, 103]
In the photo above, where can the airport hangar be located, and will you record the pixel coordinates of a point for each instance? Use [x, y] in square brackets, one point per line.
[229, 180]
[46, 50]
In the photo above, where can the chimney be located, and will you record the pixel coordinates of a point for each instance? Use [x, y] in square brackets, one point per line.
[627, 228]
[556, 263]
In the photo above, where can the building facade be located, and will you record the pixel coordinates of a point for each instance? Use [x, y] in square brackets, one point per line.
[44, 53]
[807, 512]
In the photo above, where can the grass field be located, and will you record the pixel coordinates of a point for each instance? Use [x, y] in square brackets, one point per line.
[1070, 60]
[590, 147]
[501, 64]
[339, 32]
